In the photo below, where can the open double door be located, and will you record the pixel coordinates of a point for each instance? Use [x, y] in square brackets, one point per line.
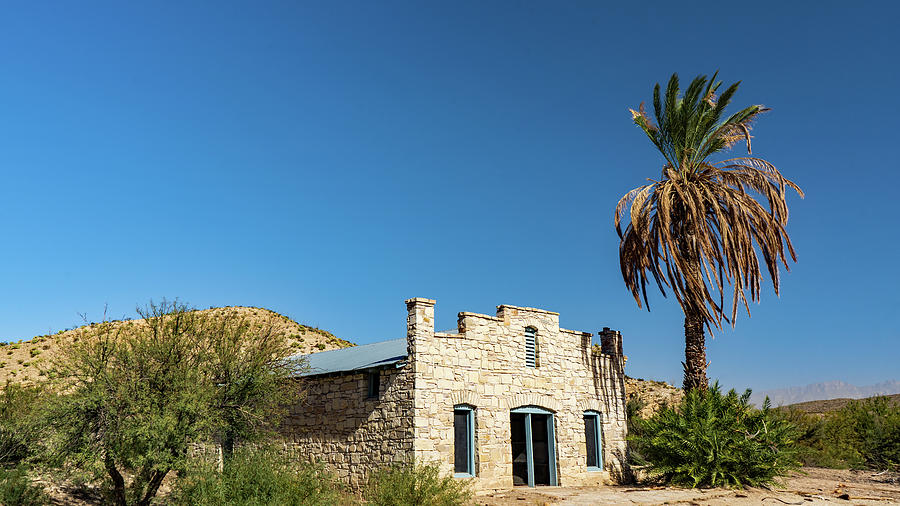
[533, 448]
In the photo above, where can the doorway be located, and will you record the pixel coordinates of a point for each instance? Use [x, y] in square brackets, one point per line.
[533, 449]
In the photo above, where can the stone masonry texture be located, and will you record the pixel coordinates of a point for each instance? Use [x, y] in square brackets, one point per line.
[482, 365]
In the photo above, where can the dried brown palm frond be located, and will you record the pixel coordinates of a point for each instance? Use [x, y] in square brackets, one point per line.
[696, 232]
[700, 226]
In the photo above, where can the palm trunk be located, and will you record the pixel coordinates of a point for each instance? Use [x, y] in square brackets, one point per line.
[694, 338]
[694, 352]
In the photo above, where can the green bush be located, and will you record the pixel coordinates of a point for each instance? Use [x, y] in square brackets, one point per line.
[862, 434]
[711, 439]
[410, 485]
[257, 477]
[633, 407]
[16, 489]
[19, 422]
[873, 429]
[821, 446]
[132, 397]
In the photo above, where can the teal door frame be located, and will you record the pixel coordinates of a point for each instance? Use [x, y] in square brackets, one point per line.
[529, 446]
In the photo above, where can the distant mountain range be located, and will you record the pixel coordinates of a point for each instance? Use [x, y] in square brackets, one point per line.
[824, 391]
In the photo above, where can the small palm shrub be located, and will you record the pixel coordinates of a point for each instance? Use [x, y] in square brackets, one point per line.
[411, 485]
[716, 440]
[257, 477]
[16, 489]
[633, 419]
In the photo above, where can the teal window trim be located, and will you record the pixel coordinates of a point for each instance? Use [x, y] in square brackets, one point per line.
[529, 444]
[594, 417]
[470, 440]
[532, 410]
[551, 449]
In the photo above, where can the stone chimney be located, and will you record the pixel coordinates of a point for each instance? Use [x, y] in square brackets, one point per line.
[610, 342]
[419, 321]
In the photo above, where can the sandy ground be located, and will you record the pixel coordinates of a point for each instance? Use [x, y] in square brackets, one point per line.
[813, 486]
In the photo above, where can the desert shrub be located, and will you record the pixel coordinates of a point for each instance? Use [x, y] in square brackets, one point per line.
[820, 445]
[633, 407]
[862, 434]
[872, 428]
[19, 422]
[134, 396]
[715, 439]
[16, 489]
[257, 477]
[415, 485]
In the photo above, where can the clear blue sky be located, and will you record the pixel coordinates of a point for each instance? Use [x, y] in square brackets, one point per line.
[328, 160]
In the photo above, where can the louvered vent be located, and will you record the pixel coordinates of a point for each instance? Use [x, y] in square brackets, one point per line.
[530, 347]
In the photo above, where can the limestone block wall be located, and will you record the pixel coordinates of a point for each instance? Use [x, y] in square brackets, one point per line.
[483, 365]
[351, 433]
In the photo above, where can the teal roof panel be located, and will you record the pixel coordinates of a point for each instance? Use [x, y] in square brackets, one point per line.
[355, 358]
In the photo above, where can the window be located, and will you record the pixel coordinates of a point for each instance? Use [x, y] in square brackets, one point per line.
[463, 441]
[594, 441]
[531, 350]
[374, 384]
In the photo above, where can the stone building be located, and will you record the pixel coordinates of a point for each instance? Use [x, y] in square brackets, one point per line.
[505, 400]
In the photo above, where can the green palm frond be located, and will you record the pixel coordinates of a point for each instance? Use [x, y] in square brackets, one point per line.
[699, 227]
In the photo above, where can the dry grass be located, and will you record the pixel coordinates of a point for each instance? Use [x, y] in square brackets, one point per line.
[26, 361]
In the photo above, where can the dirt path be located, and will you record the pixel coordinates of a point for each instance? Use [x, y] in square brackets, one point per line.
[816, 486]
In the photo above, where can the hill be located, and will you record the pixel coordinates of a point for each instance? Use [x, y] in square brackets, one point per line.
[23, 361]
[824, 391]
[821, 407]
[651, 395]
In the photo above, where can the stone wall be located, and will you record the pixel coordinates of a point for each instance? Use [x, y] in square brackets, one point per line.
[351, 433]
[483, 365]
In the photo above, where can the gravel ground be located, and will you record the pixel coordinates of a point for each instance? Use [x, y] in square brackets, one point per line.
[813, 486]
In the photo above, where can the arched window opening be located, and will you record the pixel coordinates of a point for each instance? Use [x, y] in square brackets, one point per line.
[531, 347]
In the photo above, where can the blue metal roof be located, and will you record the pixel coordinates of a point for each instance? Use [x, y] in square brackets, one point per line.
[355, 358]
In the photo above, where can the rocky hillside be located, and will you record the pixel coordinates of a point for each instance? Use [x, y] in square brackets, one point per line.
[651, 394]
[24, 361]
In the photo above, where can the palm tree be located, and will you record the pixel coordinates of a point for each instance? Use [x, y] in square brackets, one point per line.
[700, 225]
